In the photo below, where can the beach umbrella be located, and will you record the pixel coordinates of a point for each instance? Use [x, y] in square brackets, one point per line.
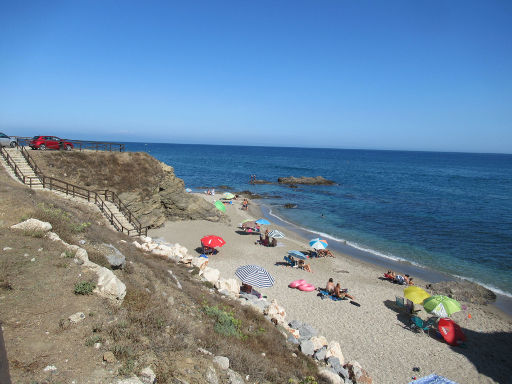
[441, 306]
[318, 243]
[188, 190]
[213, 241]
[220, 206]
[416, 294]
[254, 275]
[298, 255]
[451, 332]
[249, 224]
[228, 195]
[432, 379]
[276, 234]
[262, 222]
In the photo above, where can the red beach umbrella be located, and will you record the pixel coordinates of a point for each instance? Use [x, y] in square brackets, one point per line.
[451, 331]
[212, 241]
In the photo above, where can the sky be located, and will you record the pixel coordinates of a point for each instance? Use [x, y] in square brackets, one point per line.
[408, 75]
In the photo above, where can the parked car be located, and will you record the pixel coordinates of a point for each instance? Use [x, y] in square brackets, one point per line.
[6, 141]
[50, 142]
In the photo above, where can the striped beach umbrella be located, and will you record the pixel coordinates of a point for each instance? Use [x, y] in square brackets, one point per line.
[228, 195]
[318, 243]
[276, 234]
[255, 275]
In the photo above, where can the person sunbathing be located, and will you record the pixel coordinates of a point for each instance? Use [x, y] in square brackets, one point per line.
[338, 292]
[330, 286]
[305, 266]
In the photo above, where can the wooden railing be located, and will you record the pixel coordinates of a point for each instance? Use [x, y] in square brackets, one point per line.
[81, 144]
[74, 190]
[28, 180]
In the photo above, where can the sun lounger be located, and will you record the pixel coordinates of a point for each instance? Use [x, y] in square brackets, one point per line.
[290, 262]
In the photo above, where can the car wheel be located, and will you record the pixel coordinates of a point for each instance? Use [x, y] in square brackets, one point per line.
[13, 144]
[42, 147]
[69, 147]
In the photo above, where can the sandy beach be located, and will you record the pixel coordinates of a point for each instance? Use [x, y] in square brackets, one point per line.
[374, 334]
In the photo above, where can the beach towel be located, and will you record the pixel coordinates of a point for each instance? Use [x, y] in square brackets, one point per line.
[323, 293]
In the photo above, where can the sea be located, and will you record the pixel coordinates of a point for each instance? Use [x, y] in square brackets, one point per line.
[435, 214]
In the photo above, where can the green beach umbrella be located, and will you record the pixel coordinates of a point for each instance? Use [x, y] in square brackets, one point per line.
[441, 306]
[220, 206]
[228, 195]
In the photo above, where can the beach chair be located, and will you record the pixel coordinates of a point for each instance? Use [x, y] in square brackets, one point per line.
[399, 301]
[417, 324]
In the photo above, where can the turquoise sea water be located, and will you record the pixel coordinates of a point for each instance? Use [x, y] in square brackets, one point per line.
[450, 212]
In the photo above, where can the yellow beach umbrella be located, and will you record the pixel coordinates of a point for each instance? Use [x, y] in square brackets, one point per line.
[416, 294]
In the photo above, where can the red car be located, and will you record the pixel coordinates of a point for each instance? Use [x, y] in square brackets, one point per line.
[50, 142]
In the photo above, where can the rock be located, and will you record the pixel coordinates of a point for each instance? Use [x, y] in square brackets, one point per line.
[211, 376]
[7, 248]
[109, 286]
[275, 312]
[290, 205]
[357, 374]
[147, 376]
[292, 340]
[50, 368]
[306, 346]
[330, 376]
[109, 357]
[78, 261]
[222, 362]
[115, 258]
[76, 318]
[33, 259]
[230, 285]
[137, 244]
[53, 237]
[320, 354]
[211, 275]
[334, 349]
[33, 225]
[81, 254]
[462, 290]
[295, 324]
[204, 351]
[319, 180]
[319, 342]
[235, 377]
[307, 332]
[97, 345]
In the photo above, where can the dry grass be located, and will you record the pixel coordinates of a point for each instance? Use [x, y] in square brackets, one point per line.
[103, 170]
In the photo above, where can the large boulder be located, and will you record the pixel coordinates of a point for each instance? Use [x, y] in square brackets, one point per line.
[334, 349]
[33, 225]
[109, 286]
[275, 312]
[211, 275]
[319, 342]
[357, 374]
[463, 290]
[330, 376]
[114, 257]
[318, 180]
[230, 285]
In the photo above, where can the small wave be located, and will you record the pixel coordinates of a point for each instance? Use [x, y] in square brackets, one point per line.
[488, 286]
[387, 256]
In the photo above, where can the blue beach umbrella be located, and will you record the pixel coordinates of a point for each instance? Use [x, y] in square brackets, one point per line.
[298, 255]
[262, 222]
[255, 275]
[318, 243]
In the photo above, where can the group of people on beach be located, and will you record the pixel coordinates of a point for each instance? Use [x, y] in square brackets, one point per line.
[301, 264]
[336, 291]
[265, 240]
[245, 205]
[210, 191]
[398, 279]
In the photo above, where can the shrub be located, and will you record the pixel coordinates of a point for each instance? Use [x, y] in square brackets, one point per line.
[84, 288]
[225, 323]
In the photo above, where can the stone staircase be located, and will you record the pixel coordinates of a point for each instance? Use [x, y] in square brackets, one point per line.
[110, 210]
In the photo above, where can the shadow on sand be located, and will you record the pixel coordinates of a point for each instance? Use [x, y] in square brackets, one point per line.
[240, 232]
[490, 353]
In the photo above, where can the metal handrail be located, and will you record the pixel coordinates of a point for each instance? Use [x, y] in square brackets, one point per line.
[116, 200]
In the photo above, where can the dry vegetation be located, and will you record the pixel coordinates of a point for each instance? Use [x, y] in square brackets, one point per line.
[120, 172]
[158, 324]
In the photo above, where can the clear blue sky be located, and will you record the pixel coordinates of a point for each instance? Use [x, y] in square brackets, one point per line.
[419, 75]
